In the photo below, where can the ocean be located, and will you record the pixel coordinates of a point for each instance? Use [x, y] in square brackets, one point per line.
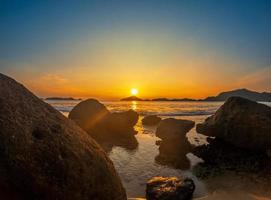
[136, 166]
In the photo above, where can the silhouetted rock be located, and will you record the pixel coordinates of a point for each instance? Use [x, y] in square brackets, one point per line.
[173, 128]
[241, 122]
[173, 152]
[89, 114]
[108, 129]
[169, 188]
[122, 123]
[132, 98]
[46, 156]
[174, 145]
[151, 120]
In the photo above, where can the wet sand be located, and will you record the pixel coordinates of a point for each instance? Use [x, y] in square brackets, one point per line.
[137, 166]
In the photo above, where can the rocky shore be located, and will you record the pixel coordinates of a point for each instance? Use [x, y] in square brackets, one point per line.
[239, 138]
[45, 155]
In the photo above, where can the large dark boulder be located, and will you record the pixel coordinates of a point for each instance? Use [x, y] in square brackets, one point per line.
[169, 188]
[171, 128]
[240, 122]
[151, 120]
[44, 155]
[89, 114]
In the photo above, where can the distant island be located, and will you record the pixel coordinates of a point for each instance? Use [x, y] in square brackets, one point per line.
[63, 98]
[223, 96]
[132, 98]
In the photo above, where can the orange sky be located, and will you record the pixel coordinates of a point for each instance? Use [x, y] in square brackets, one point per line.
[164, 50]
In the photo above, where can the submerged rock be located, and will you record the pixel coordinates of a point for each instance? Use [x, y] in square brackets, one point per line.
[151, 120]
[169, 188]
[241, 122]
[44, 155]
[173, 128]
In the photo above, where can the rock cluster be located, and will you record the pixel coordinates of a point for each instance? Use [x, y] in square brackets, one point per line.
[242, 132]
[44, 155]
[105, 127]
[169, 188]
[241, 122]
[151, 120]
[174, 145]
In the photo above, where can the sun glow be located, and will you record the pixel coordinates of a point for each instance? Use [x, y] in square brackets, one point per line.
[134, 91]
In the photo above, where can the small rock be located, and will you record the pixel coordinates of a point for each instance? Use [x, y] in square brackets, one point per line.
[122, 123]
[173, 128]
[169, 188]
[151, 120]
[173, 153]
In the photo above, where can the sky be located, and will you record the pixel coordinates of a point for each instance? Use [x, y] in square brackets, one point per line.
[164, 48]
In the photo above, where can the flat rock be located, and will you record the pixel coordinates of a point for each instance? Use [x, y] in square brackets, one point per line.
[169, 188]
[171, 128]
[46, 156]
[151, 120]
[241, 122]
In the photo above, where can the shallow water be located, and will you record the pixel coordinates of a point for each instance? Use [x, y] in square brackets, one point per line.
[136, 166]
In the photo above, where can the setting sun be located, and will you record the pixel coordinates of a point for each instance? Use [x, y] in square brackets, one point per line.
[134, 91]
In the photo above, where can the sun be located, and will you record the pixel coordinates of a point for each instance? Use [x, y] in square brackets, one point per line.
[134, 91]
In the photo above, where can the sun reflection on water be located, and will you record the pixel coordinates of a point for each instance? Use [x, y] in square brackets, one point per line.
[134, 105]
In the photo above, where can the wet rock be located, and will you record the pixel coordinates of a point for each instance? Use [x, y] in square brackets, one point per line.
[169, 188]
[44, 155]
[241, 122]
[151, 120]
[173, 128]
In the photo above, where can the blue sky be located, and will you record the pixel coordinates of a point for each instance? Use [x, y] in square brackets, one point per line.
[42, 36]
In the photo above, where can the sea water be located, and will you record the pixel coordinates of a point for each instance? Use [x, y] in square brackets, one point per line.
[136, 166]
